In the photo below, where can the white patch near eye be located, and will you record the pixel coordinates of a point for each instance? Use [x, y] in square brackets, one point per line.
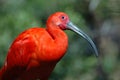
[58, 23]
[6, 63]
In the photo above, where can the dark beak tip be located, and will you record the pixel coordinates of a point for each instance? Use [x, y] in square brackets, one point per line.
[96, 53]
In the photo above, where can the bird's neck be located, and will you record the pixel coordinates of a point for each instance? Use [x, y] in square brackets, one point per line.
[56, 33]
[60, 39]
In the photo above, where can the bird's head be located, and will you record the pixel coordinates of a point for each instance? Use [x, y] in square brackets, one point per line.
[61, 20]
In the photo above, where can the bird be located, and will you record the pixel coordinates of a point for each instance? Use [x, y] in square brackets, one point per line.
[35, 52]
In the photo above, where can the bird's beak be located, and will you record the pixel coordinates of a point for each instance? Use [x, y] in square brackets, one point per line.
[72, 27]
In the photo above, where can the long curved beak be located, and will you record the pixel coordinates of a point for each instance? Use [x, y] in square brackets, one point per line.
[72, 27]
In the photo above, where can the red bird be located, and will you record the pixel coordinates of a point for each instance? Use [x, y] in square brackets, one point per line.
[35, 52]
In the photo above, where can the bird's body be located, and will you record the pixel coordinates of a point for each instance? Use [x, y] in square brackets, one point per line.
[35, 52]
[32, 51]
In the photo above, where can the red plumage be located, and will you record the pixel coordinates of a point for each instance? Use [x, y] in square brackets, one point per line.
[35, 52]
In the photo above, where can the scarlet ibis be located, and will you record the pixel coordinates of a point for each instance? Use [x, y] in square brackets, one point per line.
[35, 52]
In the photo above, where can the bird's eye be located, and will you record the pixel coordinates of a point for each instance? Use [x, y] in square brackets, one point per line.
[63, 17]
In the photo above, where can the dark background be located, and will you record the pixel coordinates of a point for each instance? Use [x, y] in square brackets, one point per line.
[100, 19]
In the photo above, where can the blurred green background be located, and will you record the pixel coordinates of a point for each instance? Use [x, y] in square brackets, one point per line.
[100, 19]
